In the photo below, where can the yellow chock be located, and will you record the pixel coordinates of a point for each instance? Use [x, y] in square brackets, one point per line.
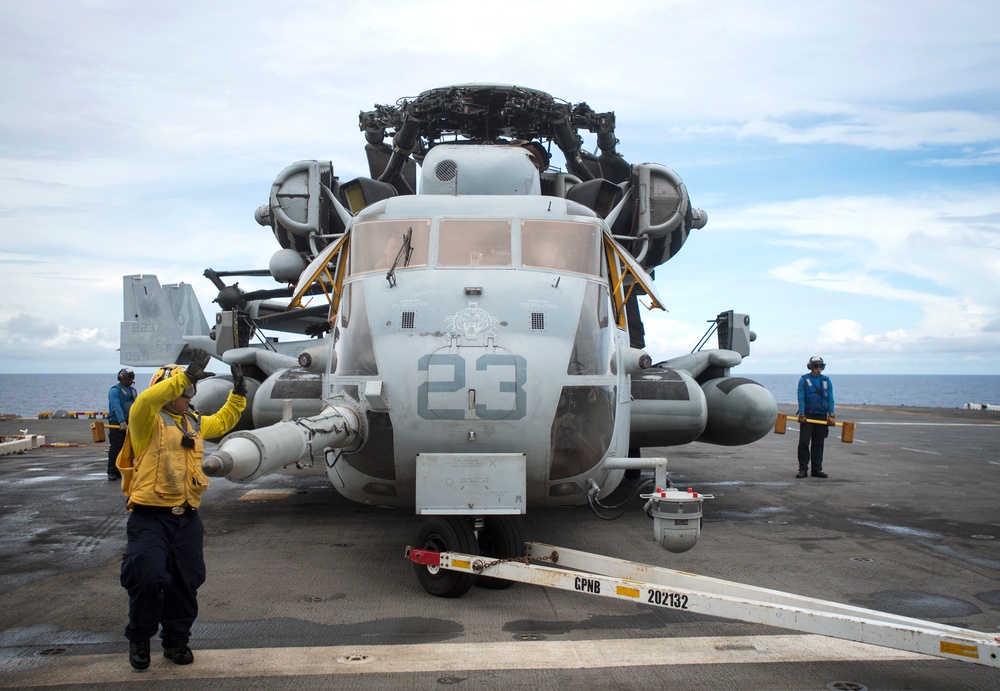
[97, 430]
[780, 423]
[847, 434]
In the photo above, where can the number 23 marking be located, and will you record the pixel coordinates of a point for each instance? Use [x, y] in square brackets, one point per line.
[457, 383]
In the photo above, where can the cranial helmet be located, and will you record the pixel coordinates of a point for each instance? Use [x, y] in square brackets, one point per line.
[168, 371]
[126, 373]
[816, 360]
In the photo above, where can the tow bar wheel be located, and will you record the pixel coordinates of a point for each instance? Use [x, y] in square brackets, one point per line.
[445, 534]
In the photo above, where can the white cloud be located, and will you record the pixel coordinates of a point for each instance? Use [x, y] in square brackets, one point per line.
[881, 129]
[140, 138]
[26, 338]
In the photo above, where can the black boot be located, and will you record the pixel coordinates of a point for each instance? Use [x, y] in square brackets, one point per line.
[179, 654]
[138, 654]
[819, 473]
[802, 473]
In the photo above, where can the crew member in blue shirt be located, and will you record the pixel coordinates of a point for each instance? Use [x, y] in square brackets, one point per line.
[815, 403]
[121, 396]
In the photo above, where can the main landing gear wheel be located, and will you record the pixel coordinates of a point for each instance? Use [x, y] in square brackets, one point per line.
[445, 534]
[500, 538]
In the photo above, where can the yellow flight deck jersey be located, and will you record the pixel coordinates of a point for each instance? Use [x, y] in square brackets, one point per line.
[157, 469]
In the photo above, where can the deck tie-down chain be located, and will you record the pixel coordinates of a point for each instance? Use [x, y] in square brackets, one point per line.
[479, 566]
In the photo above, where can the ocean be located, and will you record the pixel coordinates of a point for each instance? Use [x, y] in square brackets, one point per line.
[26, 395]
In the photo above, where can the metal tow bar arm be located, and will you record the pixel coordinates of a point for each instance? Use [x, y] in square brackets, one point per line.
[625, 580]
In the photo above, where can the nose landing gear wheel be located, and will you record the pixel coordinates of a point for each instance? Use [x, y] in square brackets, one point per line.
[499, 538]
[445, 534]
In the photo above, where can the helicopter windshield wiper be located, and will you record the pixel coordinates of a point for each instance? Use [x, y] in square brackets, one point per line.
[405, 250]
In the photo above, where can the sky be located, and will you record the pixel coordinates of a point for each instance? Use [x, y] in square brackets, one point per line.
[847, 154]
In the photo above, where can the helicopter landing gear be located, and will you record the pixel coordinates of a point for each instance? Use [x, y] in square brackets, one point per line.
[445, 534]
[500, 538]
[494, 537]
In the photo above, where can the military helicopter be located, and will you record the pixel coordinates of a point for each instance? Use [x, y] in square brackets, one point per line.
[478, 313]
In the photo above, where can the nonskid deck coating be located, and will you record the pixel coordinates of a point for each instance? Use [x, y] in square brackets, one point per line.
[300, 578]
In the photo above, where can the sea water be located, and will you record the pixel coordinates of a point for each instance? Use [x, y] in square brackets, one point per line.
[27, 395]
[922, 390]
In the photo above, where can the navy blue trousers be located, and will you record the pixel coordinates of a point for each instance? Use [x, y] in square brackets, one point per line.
[117, 440]
[811, 440]
[162, 569]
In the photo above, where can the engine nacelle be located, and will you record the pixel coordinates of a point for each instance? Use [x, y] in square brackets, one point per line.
[740, 411]
[212, 395]
[304, 390]
[668, 408]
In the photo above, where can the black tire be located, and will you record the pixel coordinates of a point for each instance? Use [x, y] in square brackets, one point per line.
[445, 534]
[500, 538]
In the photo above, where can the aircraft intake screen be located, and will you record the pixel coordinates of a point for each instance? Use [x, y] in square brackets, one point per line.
[376, 244]
[468, 242]
[561, 245]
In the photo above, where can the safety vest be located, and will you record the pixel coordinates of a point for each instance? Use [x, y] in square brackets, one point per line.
[166, 473]
[817, 397]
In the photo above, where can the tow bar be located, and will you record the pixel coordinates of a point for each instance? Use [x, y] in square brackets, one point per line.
[652, 585]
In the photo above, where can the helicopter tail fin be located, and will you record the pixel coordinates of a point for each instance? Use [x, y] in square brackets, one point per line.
[159, 323]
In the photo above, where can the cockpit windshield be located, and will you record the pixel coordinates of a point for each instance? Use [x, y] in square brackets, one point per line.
[375, 245]
[474, 242]
[561, 245]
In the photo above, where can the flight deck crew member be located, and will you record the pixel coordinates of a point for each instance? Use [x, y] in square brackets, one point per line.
[120, 399]
[163, 564]
[815, 403]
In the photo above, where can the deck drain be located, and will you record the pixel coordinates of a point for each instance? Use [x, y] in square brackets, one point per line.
[317, 598]
[778, 522]
[451, 680]
[846, 686]
[355, 659]
[983, 537]
[52, 651]
[864, 559]
[529, 637]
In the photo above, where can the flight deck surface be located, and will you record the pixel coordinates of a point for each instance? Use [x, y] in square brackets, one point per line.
[308, 590]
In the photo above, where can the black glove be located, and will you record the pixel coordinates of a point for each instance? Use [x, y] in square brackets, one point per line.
[239, 381]
[196, 370]
[317, 330]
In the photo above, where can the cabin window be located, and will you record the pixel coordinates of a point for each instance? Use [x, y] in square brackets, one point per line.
[561, 245]
[592, 348]
[582, 429]
[376, 244]
[469, 242]
[353, 339]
